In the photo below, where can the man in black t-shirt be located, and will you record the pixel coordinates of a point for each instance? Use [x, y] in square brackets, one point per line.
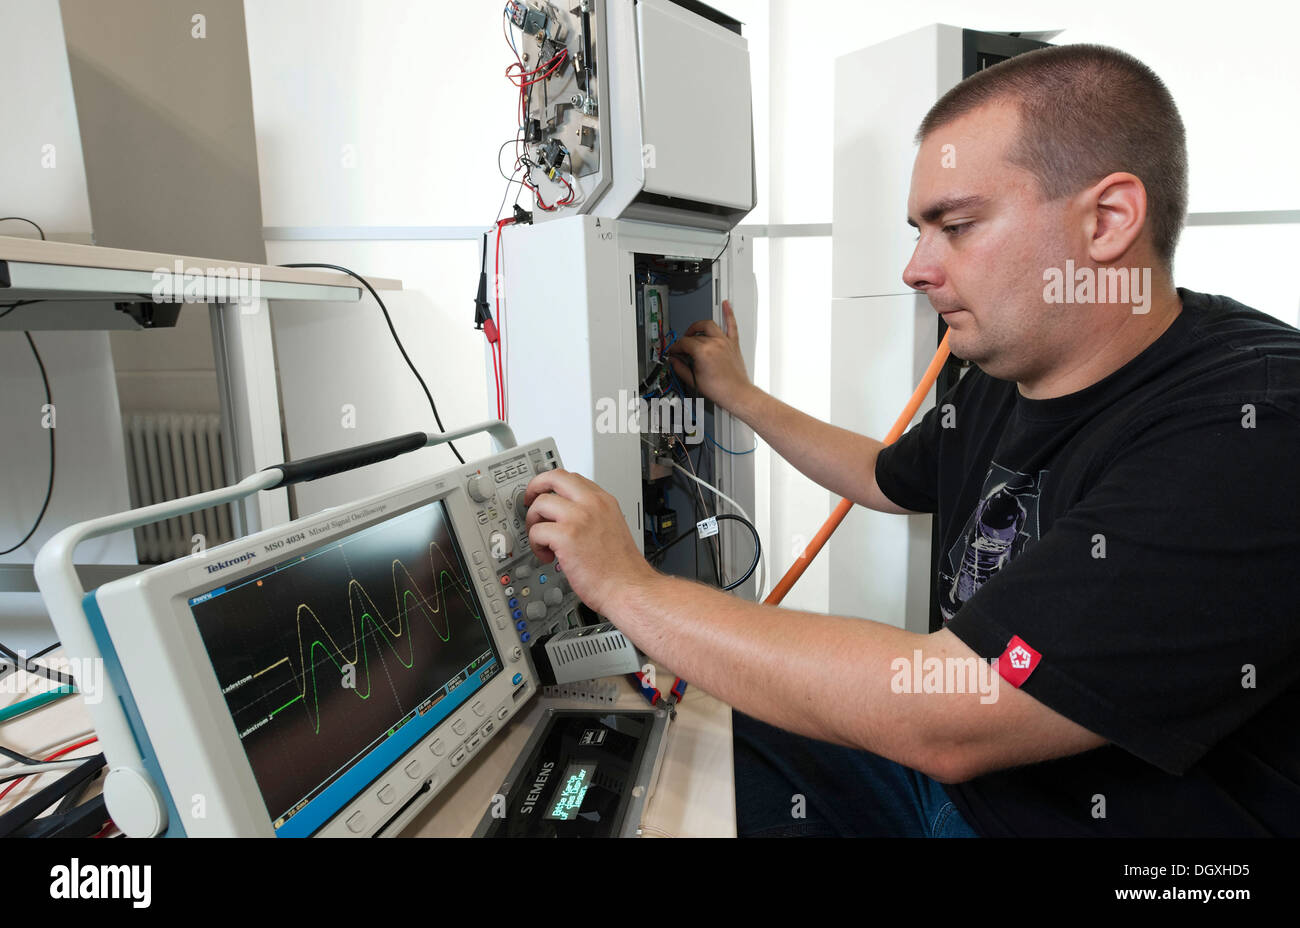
[1114, 485]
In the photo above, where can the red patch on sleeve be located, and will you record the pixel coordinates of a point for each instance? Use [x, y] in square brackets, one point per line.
[1017, 661]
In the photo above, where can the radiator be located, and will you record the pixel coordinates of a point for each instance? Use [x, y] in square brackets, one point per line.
[170, 455]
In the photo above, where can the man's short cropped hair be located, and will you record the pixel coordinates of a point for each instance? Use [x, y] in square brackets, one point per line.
[1086, 111]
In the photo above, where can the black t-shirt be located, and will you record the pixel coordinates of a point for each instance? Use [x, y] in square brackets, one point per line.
[1143, 537]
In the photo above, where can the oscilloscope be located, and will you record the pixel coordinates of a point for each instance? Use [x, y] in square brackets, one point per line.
[328, 676]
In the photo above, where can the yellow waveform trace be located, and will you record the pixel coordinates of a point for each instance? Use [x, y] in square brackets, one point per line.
[391, 631]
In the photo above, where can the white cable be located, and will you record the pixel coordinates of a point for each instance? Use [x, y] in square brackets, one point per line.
[44, 766]
[762, 555]
[49, 748]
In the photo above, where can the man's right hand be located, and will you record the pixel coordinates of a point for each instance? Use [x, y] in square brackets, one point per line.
[708, 360]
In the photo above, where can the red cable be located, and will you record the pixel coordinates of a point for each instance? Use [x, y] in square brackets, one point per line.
[549, 69]
[501, 322]
[57, 754]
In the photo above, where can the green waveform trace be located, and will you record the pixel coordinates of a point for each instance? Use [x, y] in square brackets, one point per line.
[398, 629]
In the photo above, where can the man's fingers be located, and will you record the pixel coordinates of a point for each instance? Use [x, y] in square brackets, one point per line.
[683, 371]
[702, 327]
[540, 537]
[549, 507]
[733, 331]
[567, 484]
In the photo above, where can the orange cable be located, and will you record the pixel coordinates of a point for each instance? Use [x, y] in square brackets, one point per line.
[842, 509]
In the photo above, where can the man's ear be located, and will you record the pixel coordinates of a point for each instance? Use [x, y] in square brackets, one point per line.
[1117, 214]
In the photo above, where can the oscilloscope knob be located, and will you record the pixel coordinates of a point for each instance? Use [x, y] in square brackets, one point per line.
[553, 597]
[480, 490]
[521, 508]
[536, 610]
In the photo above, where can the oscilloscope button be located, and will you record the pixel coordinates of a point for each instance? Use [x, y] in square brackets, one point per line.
[413, 770]
[503, 711]
[357, 822]
[438, 748]
[458, 726]
[516, 654]
[501, 622]
[458, 757]
[387, 794]
[478, 557]
[478, 708]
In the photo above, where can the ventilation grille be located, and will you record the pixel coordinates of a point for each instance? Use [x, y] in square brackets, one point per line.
[596, 641]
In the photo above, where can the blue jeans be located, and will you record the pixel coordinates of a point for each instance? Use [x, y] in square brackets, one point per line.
[845, 793]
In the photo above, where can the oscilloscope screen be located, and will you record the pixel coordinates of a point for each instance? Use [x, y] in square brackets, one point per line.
[335, 661]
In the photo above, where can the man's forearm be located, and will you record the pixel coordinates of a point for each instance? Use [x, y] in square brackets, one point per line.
[826, 677]
[842, 461]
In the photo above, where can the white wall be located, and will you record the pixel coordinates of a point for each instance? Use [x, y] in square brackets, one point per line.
[1233, 71]
[90, 477]
[383, 114]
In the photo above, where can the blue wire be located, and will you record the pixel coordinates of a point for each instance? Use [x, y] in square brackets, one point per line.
[728, 450]
[510, 36]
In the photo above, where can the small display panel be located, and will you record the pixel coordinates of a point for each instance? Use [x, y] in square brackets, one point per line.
[336, 661]
[578, 780]
[572, 790]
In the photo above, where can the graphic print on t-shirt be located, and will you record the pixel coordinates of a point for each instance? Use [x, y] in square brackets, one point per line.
[1004, 521]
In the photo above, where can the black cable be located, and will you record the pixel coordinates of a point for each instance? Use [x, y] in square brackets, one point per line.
[692, 491]
[49, 489]
[23, 219]
[758, 547]
[721, 517]
[12, 306]
[30, 665]
[14, 755]
[400, 347]
[725, 246]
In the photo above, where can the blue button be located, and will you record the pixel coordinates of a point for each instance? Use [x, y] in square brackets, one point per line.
[517, 614]
[521, 625]
[541, 578]
[524, 636]
[514, 602]
[518, 678]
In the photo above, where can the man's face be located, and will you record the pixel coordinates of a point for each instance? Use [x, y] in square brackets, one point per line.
[985, 237]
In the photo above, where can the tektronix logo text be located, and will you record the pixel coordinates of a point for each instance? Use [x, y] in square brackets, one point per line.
[103, 881]
[539, 785]
[230, 562]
